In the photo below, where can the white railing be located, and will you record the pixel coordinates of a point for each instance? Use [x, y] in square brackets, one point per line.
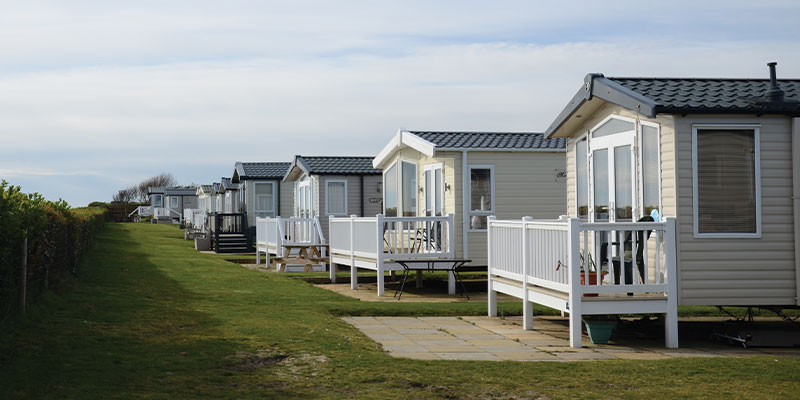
[379, 243]
[393, 238]
[159, 212]
[143, 211]
[273, 233]
[196, 217]
[633, 261]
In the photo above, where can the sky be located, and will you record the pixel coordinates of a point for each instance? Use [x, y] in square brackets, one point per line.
[99, 95]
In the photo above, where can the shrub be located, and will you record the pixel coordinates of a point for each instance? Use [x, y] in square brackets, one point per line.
[57, 237]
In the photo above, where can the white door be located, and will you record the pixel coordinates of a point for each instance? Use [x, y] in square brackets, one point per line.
[305, 208]
[613, 177]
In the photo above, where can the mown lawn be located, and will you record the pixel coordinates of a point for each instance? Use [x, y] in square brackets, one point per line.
[152, 318]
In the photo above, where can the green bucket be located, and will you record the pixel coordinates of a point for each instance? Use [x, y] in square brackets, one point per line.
[599, 331]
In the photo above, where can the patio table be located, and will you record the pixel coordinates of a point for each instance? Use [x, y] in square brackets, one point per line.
[453, 265]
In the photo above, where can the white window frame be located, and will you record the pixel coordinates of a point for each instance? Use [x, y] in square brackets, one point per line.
[491, 211]
[307, 183]
[432, 168]
[756, 128]
[158, 200]
[173, 199]
[611, 142]
[327, 196]
[584, 136]
[640, 155]
[255, 197]
[398, 163]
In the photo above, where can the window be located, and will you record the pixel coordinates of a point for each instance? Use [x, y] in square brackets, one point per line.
[336, 197]
[651, 171]
[173, 202]
[264, 198]
[305, 208]
[582, 177]
[390, 191]
[409, 189]
[481, 195]
[727, 187]
[158, 200]
[434, 190]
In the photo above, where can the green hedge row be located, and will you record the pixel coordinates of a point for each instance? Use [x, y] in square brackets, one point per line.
[57, 237]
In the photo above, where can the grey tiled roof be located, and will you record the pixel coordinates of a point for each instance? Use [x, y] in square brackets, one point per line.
[712, 95]
[180, 191]
[262, 170]
[492, 140]
[217, 187]
[339, 165]
[206, 189]
[228, 185]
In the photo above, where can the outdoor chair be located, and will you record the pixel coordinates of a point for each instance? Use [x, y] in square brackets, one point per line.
[641, 240]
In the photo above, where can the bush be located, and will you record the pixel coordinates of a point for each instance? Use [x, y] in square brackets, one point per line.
[57, 237]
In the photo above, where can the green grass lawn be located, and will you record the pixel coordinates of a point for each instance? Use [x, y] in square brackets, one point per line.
[152, 318]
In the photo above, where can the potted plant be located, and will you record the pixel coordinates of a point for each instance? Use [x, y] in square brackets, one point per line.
[599, 327]
[591, 274]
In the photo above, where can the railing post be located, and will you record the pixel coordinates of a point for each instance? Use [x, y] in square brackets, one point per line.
[379, 255]
[527, 306]
[492, 295]
[331, 266]
[670, 258]
[451, 277]
[353, 269]
[575, 289]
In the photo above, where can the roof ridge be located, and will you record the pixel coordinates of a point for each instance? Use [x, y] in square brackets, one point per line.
[481, 132]
[700, 78]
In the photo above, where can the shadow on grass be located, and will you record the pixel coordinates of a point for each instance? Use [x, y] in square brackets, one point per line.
[126, 329]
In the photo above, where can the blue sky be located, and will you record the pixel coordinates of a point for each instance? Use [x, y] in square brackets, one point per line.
[97, 95]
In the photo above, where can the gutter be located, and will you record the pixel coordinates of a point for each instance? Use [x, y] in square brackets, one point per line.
[465, 205]
[796, 202]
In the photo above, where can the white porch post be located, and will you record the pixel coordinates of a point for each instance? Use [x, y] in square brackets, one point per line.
[353, 269]
[492, 295]
[527, 306]
[379, 251]
[670, 258]
[575, 289]
[451, 278]
[331, 266]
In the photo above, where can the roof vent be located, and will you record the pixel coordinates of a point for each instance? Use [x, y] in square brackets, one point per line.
[774, 93]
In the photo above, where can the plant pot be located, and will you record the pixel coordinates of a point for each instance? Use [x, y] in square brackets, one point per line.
[599, 331]
[592, 281]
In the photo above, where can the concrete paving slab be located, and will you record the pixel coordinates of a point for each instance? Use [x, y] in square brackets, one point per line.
[526, 356]
[476, 356]
[426, 355]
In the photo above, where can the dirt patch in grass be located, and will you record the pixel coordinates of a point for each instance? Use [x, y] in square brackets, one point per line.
[244, 361]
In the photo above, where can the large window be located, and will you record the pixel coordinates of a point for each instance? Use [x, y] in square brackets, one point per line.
[651, 170]
[158, 200]
[390, 191]
[173, 201]
[264, 198]
[400, 189]
[481, 191]
[336, 197]
[409, 189]
[582, 178]
[726, 181]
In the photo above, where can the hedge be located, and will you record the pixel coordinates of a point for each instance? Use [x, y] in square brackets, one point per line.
[57, 237]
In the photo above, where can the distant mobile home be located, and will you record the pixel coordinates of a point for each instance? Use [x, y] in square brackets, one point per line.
[325, 186]
[262, 191]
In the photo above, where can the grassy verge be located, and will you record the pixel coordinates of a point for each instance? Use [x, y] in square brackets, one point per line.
[152, 318]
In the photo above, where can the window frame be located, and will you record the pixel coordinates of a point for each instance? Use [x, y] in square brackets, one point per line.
[582, 138]
[398, 164]
[158, 200]
[305, 182]
[174, 199]
[756, 128]
[256, 211]
[640, 178]
[492, 182]
[432, 168]
[327, 197]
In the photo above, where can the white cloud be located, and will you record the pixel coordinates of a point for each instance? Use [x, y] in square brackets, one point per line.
[147, 87]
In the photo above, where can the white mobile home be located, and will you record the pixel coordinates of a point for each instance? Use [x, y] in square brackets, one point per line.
[261, 190]
[440, 188]
[713, 162]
